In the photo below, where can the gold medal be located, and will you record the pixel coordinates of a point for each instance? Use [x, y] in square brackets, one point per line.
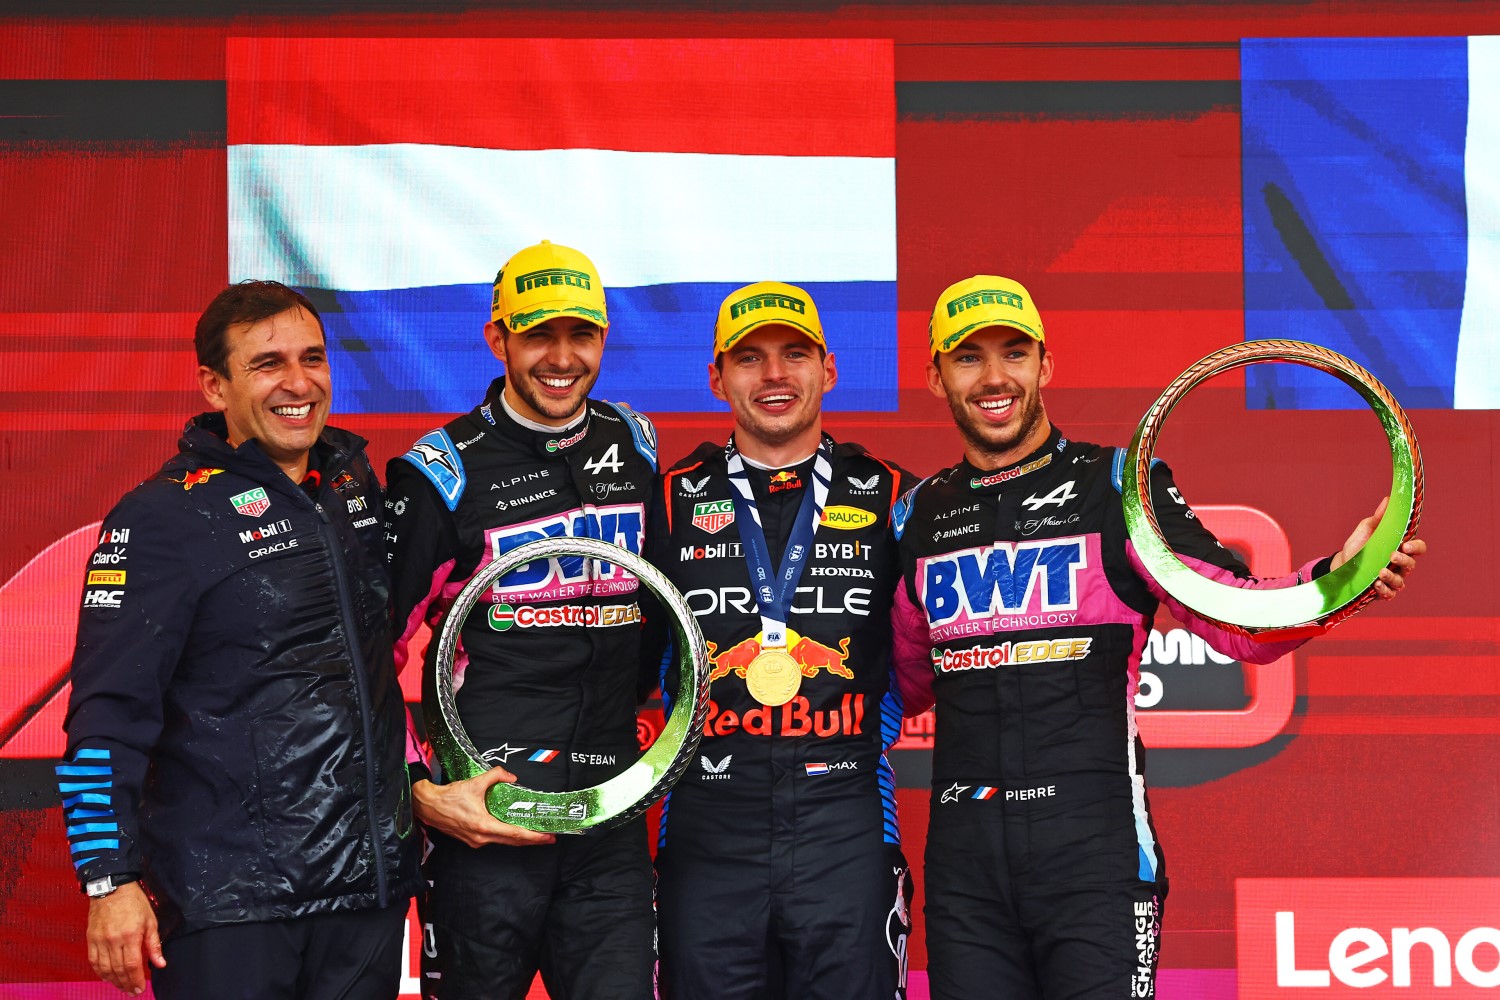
[773, 677]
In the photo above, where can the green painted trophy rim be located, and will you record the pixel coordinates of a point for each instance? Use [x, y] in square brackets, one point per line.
[1310, 607]
[629, 793]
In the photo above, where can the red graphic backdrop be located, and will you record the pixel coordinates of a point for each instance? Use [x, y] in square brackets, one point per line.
[1091, 150]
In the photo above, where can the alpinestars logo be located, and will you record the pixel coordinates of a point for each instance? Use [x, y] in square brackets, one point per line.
[953, 792]
[501, 753]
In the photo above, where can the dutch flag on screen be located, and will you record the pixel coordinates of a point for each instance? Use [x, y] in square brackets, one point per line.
[1372, 215]
[391, 178]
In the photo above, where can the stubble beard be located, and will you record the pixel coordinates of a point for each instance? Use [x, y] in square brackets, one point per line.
[989, 440]
[549, 407]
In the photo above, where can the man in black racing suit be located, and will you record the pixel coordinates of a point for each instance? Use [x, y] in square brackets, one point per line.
[1023, 610]
[546, 676]
[780, 871]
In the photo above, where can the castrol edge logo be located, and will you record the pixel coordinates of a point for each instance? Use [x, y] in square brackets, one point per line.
[1368, 937]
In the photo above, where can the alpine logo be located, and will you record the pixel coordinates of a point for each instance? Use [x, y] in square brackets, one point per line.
[713, 516]
[1059, 496]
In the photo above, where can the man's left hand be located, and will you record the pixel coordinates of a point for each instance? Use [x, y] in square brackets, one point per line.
[1393, 577]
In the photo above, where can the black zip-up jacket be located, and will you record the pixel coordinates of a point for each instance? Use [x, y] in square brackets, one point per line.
[545, 683]
[235, 730]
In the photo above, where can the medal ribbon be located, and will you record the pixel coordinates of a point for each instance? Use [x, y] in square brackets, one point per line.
[774, 594]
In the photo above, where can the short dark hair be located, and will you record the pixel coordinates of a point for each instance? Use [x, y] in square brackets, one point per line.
[250, 301]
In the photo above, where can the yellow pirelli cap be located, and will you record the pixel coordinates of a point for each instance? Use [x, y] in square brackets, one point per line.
[978, 303]
[546, 281]
[766, 303]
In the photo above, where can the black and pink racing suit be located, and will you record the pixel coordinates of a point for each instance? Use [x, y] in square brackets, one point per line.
[1023, 611]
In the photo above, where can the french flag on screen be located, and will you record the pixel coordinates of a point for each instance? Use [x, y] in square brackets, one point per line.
[1372, 215]
[391, 177]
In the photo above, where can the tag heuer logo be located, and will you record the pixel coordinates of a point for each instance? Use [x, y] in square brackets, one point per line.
[251, 503]
[713, 516]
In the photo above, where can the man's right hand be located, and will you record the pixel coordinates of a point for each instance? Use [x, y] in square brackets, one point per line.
[458, 810]
[122, 938]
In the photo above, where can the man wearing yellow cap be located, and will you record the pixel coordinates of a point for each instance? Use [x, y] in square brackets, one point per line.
[1023, 610]
[780, 871]
[549, 702]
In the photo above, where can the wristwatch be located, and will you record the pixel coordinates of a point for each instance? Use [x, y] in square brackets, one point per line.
[105, 884]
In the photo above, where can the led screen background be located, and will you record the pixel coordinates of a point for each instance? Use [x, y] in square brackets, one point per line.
[1102, 153]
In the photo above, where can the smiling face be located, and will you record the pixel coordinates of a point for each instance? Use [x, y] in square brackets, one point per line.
[277, 390]
[993, 384]
[773, 380]
[550, 368]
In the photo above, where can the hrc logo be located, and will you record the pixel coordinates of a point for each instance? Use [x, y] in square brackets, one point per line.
[570, 576]
[1028, 578]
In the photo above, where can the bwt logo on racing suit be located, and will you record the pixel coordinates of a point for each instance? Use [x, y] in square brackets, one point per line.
[965, 592]
[569, 576]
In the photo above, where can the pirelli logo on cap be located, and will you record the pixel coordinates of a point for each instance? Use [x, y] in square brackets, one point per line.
[768, 300]
[553, 276]
[985, 296]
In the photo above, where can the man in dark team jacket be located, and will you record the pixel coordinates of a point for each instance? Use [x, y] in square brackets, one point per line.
[546, 683]
[1023, 611]
[780, 868]
[237, 806]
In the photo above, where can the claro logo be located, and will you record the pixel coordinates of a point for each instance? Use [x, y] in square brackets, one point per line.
[1370, 937]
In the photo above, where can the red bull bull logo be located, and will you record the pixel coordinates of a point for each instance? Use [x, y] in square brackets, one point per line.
[197, 478]
[815, 656]
[736, 658]
[786, 479]
[810, 654]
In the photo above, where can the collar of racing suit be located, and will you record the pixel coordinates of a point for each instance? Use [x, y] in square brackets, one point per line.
[549, 443]
[989, 481]
[205, 443]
